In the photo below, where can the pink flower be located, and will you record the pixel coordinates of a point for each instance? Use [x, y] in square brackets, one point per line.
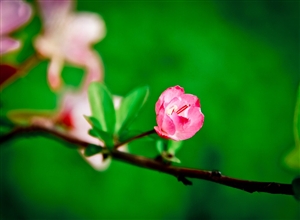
[74, 105]
[13, 14]
[178, 115]
[68, 36]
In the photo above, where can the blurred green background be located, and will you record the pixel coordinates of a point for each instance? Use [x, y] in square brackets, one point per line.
[240, 58]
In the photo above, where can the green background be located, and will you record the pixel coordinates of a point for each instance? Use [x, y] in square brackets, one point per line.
[241, 58]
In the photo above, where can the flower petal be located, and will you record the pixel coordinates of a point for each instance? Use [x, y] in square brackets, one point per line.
[8, 44]
[54, 70]
[13, 14]
[166, 124]
[54, 12]
[190, 99]
[85, 28]
[170, 93]
[93, 65]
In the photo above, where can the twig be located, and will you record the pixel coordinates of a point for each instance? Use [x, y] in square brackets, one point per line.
[22, 70]
[181, 173]
[135, 137]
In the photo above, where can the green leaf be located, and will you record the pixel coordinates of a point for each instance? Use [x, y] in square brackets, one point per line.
[161, 146]
[97, 131]
[91, 150]
[296, 188]
[167, 149]
[174, 146]
[102, 135]
[102, 106]
[130, 107]
[93, 122]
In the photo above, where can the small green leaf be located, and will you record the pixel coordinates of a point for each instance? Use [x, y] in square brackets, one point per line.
[102, 106]
[93, 122]
[174, 146]
[130, 106]
[97, 132]
[91, 150]
[94, 133]
[296, 188]
[161, 146]
[102, 135]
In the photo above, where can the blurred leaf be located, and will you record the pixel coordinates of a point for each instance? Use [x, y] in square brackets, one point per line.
[102, 135]
[168, 148]
[161, 146]
[292, 159]
[102, 106]
[91, 150]
[174, 146]
[130, 107]
[93, 122]
[97, 131]
[296, 187]
[25, 116]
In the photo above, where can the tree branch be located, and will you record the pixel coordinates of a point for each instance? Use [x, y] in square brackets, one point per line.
[181, 173]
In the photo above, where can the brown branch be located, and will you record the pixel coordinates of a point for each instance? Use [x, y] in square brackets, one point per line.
[181, 173]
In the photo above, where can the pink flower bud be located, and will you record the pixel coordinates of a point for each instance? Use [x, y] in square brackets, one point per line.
[178, 115]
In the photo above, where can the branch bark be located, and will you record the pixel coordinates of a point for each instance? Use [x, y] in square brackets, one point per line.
[181, 173]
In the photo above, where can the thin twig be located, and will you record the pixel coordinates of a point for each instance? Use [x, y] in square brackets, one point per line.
[181, 173]
[135, 137]
[22, 70]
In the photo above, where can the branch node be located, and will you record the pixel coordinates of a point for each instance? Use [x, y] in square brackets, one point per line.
[216, 173]
[184, 180]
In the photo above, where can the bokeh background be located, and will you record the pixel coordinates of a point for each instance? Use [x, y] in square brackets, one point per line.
[241, 58]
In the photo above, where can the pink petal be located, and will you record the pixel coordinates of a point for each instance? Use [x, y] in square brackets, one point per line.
[54, 12]
[92, 63]
[170, 93]
[54, 71]
[13, 14]
[85, 28]
[94, 69]
[8, 44]
[179, 122]
[187, 129]
[165, 123]
[190, 99]
[158, 105]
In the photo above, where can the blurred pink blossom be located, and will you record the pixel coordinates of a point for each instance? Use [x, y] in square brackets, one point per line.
[74, 106]
[13, 14]
[68, 36]
[178, 115]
